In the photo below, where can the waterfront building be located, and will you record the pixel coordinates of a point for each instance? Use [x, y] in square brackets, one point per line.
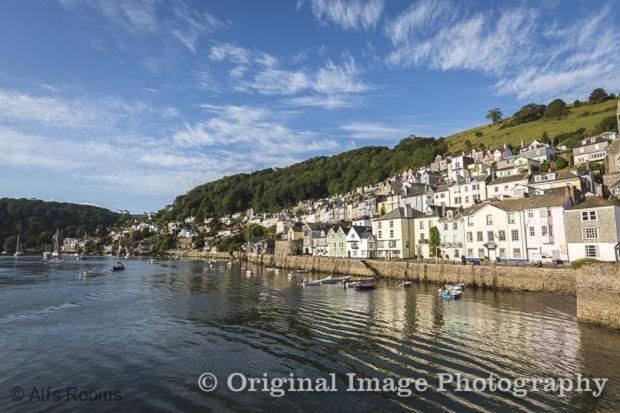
[337, 241]
[451, 232]
[593, 229]
[492, 231]
[361, 243]
[394, 233]
[424, 222]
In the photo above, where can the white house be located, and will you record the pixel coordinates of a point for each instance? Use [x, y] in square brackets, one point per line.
[361, 243]
[395, 233]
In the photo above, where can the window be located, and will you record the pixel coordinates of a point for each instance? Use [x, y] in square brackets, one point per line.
[391, 224]
[470, 252]
[380, 234]
[588, 216]
[550, 231]
[445, 226]
[421, 224]
[501, 234]
[490, 236]
[511, 218]
[479, 236]
[470, 237]
[379, 224]
[457, 254]
[544, 231]
[391, 233]
[532, 232]
[454, 225]
[502, 252]
[590, 232]
[530, 214]
[516, 252]
[544, 212]
[480, 252]
[489, 219]
[591, 251]
[514, 235]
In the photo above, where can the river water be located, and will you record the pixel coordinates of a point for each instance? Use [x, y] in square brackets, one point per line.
[140, 339]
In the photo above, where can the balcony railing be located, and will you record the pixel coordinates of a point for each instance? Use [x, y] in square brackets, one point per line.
[423, 241]
[452, 244]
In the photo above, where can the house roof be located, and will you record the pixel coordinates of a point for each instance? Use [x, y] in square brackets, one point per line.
[405, 212]
[595, 202]
[552, 198]
[362, 231]
[507, 179]
[592, 140]
[560, 176]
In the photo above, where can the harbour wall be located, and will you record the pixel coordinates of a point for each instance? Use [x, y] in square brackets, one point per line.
[598, 295]
[558, 280]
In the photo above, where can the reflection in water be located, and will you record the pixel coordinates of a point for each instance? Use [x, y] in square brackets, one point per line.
[153, 329]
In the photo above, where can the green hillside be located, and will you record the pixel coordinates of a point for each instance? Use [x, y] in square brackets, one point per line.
[36, 221]
[585, 116]
[275, 188]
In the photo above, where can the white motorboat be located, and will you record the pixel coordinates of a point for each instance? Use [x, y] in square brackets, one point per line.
[93, 272]
[312, 283]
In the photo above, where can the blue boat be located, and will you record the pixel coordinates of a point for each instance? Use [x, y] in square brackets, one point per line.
[451, 292]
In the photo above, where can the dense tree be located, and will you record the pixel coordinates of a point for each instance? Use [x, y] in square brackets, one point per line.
[598, 95]
[36, 221]
[559, 163]
[271, 189]
[494, 115]
[433, 241]
[528, 113]
[556, 108]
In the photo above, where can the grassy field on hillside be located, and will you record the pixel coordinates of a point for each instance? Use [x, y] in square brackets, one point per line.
[585, 116]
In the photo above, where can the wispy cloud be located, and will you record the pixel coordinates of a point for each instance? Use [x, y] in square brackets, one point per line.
[349, 14]
[480, 42]
[579, 57]
[332, 85]
[374, 130]
[151, 17]
[526, 58]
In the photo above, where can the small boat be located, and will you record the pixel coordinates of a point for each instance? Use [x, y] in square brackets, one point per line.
[249, 273]
[451, 292]
[152, 260]
[297, 273]
[365, 285]
[119, 266]
[17, 251]
[334, 280]
[404, 284]
[93, 272]
[305, 283]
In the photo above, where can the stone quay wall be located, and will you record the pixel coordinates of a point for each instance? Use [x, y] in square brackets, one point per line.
[558, 280]
[598, 295]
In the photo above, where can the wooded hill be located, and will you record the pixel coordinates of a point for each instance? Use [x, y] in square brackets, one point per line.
[36, 221]
[276, 188]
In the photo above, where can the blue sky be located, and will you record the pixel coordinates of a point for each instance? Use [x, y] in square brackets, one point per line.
[127, 104]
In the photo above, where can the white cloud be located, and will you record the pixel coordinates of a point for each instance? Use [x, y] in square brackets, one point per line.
[419, 16]
[578, 59]
[373, 130]
[480, 43]
[152, 17]
[526, 59]
[325, 102]
[349, 14]
[227, 51]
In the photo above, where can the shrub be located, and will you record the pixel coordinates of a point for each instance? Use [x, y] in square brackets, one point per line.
[583, 261]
